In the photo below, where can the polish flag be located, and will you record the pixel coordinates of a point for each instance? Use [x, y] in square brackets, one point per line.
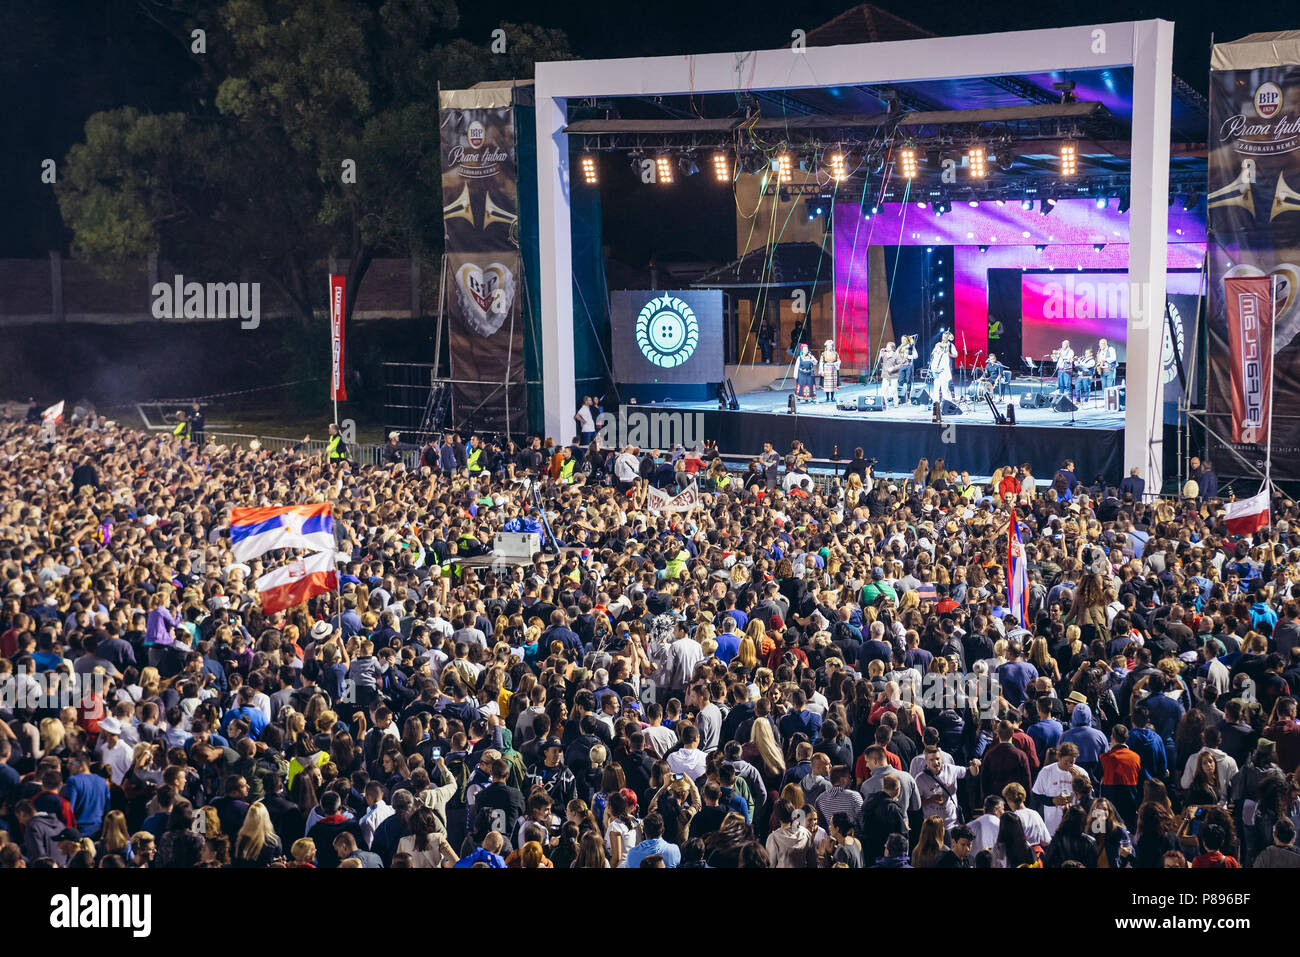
[1248, 515]
[294, 583]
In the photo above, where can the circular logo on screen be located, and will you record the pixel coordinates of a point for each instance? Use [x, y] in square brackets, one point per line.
[667, 331]
[476, 134]
[1268, 100]
[1168, 368]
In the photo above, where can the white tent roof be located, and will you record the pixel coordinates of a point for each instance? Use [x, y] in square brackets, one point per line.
[1257, 51]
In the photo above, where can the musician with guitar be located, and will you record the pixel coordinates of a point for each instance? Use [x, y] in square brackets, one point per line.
[906, 372]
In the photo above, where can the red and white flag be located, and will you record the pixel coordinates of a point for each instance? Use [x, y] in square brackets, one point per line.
[1018, 574]
[53, 414]
[1249, 301]
[1247, 515]
[294, 583]
[338, 293]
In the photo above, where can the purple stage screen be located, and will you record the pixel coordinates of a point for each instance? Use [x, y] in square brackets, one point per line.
[1076, 236]
[1082, 307]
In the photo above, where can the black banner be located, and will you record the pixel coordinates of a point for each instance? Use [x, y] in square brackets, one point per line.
[1254, 230]
[483, 287]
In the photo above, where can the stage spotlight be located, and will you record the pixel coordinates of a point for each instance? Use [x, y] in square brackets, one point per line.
[1045, 206]
[1004, 161]
[837, 169]
[1123, 204]
[687, 164]
[1039, 249]
[589, 169]
[907, 157]
[942, 206]
[920, 205]
[721, 168]
[1192, 201]
[1026, 204]
[664, 169]
[785, 168]
[1102, 202]
[1069, 159]
[1002, 202]
[1098, 247]
[973, 203]
[976, 158]
[984, 249]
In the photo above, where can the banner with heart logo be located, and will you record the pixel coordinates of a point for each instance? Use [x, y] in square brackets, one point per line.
[480, 223]
[1254, 257]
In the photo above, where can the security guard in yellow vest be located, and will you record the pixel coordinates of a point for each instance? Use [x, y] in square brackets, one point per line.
[336, 448]
[566, 466]
[474, 456]
[182, 428]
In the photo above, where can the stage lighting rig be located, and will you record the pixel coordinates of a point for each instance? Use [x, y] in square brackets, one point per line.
[1069, 159]
[976, 159]
[907, 161]
[1046, 205]
[1123, 204]
[837, 168]
[785, 168]
[664, 169]
[589, 175]
[721, 168]
[688, 164]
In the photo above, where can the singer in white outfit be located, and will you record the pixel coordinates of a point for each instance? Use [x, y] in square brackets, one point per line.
[941, 367]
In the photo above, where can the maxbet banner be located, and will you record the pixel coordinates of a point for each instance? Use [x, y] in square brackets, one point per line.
[1249, 301]
[338, 301]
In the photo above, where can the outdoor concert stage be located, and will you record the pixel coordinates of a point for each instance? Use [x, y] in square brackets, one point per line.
[898, 438]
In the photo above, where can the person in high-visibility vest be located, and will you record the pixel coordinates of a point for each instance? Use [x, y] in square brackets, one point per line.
[182, 428]
[336, 448]
[474, 456]
[567, 466]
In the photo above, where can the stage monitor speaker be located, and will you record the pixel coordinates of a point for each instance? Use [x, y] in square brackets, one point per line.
[921, 395]
[846, 405]
[950, 408]
[1064, 404]
[1027, 400]
[871, 403]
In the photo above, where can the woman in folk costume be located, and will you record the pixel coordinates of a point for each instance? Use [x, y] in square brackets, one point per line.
[891, 363]
[829, 370]
[806, 368]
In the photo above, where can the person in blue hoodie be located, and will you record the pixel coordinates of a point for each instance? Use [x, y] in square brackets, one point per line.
[1092, 744]
[1149, 746]
[1165, 713]
[89, 796]
[896, 855]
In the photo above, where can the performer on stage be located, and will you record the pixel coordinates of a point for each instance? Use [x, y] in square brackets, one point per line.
[891, 363]
[906, 371]
[829, 369]
[998, 375]
[1064, 358]
[1106, 363]
[806, 370]
[941, 367]
[1084, 368]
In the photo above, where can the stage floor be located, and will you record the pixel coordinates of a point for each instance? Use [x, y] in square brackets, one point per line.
[1091, 414]
[1093, 437]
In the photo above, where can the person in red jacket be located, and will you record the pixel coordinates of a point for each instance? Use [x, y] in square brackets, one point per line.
[1009, 487]
[50, 799]
[1284, 730]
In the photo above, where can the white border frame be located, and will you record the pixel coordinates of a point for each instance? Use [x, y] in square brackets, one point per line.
[1146, 46]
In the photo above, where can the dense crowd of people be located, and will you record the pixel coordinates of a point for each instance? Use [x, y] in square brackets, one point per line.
[798, 672]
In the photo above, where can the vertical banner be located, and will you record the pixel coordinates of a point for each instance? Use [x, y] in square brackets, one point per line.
[484, 282]
[1249, 301]
[1254, 235]
[338, 300]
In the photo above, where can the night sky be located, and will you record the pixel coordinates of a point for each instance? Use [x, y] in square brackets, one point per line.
[70, 58]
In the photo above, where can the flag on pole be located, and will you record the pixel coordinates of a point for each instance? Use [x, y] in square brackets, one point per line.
[1248, 515]
[338, 291]
[53, 414]
[1018, 579]
[255, 531]
[294, 583]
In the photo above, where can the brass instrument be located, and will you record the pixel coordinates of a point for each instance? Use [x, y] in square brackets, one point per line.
[1285, 200]
[1236, 193]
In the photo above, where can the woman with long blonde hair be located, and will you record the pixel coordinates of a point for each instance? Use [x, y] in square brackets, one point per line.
[256, 844]
[114, 838]
[769, 753]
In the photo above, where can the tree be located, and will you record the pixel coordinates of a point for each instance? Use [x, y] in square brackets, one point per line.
[289, 99]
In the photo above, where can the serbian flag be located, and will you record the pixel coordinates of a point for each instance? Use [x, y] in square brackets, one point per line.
[1018, 574]
[255, 531]
[1248, 515]
[338, 290]
[294, 583]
